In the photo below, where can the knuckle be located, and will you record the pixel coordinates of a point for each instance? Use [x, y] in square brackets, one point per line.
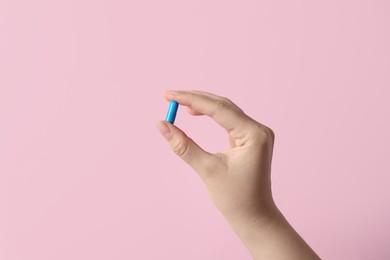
[264, 135]
[180, 146]
[272, 134]
[224, 103]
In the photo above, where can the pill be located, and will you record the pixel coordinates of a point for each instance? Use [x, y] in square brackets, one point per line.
[171, 114]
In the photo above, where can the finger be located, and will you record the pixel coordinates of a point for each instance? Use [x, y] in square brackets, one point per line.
[205, 93]
[186, 148]
[222, 110]
[193, 112]
[198, 92]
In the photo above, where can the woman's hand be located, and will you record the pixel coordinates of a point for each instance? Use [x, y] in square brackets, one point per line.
[238, 179]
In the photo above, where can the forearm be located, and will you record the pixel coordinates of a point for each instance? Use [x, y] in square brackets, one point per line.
[270, 236]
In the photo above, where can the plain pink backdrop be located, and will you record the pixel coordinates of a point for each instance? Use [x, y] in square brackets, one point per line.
[84, 174]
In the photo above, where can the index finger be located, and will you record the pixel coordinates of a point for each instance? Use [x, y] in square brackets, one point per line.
[222, 110]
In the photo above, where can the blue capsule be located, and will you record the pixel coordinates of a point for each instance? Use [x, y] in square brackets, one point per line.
[172, 110]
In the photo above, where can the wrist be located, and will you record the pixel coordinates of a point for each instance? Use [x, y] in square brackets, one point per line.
[249, 212]
[247, 225]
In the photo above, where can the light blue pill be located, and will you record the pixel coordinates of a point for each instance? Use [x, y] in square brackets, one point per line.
[172, 110]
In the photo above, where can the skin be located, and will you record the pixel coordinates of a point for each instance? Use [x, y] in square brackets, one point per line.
[238, 180]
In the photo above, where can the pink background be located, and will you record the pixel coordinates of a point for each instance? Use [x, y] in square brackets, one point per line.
[84, 174]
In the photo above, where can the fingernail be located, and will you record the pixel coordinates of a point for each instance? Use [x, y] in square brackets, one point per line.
[164, 129]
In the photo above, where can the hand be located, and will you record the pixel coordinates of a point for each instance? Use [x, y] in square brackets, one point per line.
[238, 179]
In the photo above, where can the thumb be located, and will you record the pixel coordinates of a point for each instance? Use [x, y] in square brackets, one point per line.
[185, 147]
